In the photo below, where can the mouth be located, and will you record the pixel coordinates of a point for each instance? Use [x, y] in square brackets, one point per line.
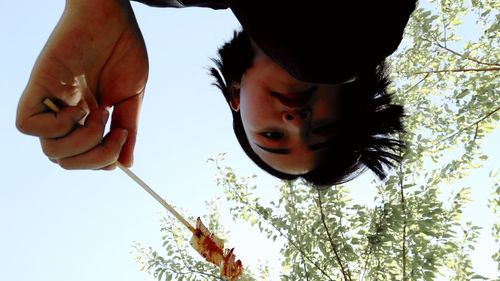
[295, 100]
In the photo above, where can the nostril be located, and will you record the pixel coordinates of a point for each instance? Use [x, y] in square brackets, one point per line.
[304, 115]
[289, 117]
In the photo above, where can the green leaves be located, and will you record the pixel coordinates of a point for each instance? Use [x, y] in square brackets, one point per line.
[447, 79]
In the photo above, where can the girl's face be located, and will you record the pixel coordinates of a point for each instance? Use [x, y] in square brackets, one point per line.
[287, 122]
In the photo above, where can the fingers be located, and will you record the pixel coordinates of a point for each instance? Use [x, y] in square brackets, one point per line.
[81, 138]
[126, 116]
[84, 147]
[101, 156]
[75, 146]
[50, 124]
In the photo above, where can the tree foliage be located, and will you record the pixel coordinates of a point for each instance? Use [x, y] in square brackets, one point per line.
[446, 74]
[181, 262]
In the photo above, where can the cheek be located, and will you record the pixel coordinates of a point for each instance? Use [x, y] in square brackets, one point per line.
[252, 115]
[255, 108]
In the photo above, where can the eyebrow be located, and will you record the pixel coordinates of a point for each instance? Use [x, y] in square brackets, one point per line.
[283, 151]
[275, 150]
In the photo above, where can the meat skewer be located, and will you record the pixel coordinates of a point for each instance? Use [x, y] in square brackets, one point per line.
[203, 241]
[212, 249]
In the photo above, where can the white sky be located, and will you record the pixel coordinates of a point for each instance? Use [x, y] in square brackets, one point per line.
[60, 225]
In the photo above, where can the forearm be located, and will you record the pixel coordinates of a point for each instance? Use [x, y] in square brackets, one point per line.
[213, 4]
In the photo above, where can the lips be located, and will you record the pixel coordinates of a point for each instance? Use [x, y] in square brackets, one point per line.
[295, 100]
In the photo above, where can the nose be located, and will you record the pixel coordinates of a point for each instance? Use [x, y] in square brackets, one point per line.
[296, 117]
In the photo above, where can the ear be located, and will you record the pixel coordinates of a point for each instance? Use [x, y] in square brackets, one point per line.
[234, 99]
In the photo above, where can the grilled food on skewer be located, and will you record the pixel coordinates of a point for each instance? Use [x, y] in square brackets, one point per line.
[212, 249]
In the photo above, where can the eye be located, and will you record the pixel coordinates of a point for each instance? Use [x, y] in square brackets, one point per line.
[272, 135]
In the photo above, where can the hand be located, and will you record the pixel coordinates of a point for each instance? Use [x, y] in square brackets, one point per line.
[100, 41]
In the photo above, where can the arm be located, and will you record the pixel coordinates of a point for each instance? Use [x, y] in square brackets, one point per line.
[100, 41]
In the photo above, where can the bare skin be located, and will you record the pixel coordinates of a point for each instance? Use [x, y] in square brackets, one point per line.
[287, 122]
[101, 41]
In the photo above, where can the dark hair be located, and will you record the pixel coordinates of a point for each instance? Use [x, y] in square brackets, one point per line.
[369, 120]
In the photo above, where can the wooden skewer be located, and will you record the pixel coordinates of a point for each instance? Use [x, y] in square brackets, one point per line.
[155, 195]
[52, 106]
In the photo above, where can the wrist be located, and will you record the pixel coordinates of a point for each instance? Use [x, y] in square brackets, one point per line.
[96, 6]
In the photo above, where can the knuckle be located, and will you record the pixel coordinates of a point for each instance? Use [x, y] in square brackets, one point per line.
[111, 152]
[60, 128]
[94, 131]
[22, 126]
[97, 133]
[47, 149]
[65, 165]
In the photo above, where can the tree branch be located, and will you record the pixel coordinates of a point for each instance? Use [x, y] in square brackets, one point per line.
[456, 70]
[367, 259]
[475, 133]
[292, 196]
[343, 268]
[416, 84]
[299, 249]
[436, 42]
[462, 55]
[470, 125]
[403, 209]
[305, 269]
